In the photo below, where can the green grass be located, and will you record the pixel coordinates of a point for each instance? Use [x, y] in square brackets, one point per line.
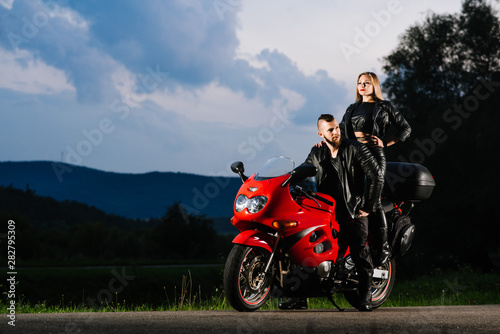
[465, 287]
[56, 290]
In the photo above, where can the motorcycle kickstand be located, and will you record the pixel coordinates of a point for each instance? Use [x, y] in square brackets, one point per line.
[330, 298]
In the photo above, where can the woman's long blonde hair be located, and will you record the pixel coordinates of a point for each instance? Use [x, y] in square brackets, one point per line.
[377, 92]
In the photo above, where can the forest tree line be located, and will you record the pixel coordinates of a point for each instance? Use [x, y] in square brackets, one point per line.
[49, 232]
[444, 77]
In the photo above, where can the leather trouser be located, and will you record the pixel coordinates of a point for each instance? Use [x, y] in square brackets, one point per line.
[378, 222]
[355, 233]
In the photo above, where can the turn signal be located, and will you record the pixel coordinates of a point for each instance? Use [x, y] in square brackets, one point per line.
[284, 224]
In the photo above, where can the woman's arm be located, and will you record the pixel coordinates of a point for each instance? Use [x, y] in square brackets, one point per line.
[397, 120]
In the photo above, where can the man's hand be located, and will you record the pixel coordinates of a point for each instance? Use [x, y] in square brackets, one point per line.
[359, 215]
[362, 213]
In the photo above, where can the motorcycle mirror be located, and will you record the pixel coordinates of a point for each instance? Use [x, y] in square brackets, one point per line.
[238, 168]
[300, 173]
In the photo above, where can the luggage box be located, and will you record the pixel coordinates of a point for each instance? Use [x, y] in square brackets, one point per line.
[407, 182]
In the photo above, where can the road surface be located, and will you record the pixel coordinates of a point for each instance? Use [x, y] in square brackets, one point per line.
[401, 320]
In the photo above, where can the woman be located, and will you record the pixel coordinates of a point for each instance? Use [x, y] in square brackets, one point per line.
[367, 120]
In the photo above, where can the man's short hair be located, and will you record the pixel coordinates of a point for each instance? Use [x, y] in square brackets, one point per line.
[326, 117]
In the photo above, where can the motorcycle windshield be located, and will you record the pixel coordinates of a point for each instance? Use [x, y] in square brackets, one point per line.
[275, 167]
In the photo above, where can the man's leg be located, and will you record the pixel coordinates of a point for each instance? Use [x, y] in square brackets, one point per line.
[343, 243]
[360, 252]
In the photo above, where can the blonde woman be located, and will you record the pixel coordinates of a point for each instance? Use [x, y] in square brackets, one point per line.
[367, 120]
[370, 116]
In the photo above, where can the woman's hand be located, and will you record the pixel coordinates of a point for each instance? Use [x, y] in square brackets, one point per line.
[318, 145]
[375, 141]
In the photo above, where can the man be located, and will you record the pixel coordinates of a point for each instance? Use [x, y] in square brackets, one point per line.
[350, 174]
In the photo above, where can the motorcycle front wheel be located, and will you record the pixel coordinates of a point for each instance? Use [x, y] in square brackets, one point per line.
[246, 286]
[381, 287]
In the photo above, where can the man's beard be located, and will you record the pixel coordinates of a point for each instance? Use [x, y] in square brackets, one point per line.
[335, 144]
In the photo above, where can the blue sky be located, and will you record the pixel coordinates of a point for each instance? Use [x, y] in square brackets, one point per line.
[138, 86]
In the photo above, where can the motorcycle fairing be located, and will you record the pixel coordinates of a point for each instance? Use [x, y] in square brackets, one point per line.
[255, 238]
[291, 240]
[304, 251]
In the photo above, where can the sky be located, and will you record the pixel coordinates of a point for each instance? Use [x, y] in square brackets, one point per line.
[185, 85]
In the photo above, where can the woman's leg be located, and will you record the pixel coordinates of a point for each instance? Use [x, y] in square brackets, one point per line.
[378, 221]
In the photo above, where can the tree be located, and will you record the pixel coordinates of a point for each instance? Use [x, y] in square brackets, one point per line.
[441, 59]
[433, 77]
[479, 30]
[183, 236]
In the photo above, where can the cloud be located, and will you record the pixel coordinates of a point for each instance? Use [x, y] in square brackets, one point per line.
[6, 3]
[324, 94]
[59, 37]
[187, 38]
[94, 41]
[23, 72]
[167, 75]
[275, 72]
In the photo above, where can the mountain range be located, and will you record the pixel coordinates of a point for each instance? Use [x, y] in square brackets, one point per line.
[135, 196]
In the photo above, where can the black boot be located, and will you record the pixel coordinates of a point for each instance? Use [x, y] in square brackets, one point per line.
[293, 304]
[338, 269]
[365, 293]
[382, 250]
[365, 301]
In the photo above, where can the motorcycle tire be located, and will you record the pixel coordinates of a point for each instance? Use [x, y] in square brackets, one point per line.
[381, 287]
[246, 287]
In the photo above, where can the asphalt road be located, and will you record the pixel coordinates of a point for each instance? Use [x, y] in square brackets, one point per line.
[401, 320]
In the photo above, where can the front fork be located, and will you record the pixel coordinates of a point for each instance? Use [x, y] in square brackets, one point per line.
[268, 264]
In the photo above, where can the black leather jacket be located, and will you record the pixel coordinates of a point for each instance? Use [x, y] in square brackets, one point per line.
[356, 162]
[384, 115]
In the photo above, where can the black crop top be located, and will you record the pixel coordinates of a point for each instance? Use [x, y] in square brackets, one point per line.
[362, 117]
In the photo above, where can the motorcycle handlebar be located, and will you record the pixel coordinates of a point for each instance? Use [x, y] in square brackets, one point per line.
[313, 195]
[322, 199]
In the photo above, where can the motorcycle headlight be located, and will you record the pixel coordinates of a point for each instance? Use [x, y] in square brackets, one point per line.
[255, 204]
[241, 203]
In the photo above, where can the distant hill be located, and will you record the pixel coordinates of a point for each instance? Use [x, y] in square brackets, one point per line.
[129, 195]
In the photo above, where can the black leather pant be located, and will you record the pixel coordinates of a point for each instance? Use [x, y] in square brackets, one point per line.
[355, 234]
[379, 154]
[378, 222]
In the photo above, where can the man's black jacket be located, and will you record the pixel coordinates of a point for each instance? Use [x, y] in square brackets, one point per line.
[356, 162]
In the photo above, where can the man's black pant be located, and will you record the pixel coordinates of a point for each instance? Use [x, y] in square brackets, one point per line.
[355, 234]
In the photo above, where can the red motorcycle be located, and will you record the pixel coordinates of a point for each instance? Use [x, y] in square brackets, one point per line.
[289, 236]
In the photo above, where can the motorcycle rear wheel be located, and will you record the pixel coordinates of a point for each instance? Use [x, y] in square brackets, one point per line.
[246, 286]
[381, 287]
